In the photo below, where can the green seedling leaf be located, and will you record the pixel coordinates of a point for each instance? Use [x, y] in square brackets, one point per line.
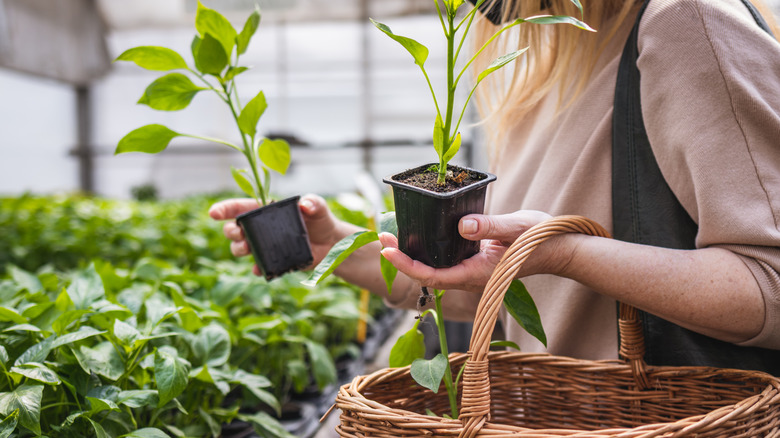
[251, 114]
[8, 425]
[37, 352]
[275, 154]
[25, 280]
[438, 136]
[418, 51]
[147, 432]
[233, 72]
[266, 425]
[556, 19]
[577, 4]
[38, 372]
[99, 431]
[250, 27]
[138, 398]
[338, 253]
[409, 347]
[100, 405]
[149, 139]
[125, 333]
[453, 149]
[243, 182]
[211, 57]
[170, 374]
[322, 364]
[11, 315]
[154, 58]
[209, 21]
[212, 345]
[500, 62]
[504, 344]
[80, 334]
[3, 356]
[388, 224]
[429, 373]
[22, 328]
[254, 383]
[521, 306]
[86, 288]
[212, 424]
[171, 92]
[26, 401]
[102, 360]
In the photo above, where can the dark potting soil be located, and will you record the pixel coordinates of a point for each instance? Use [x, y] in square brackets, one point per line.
[457, 178]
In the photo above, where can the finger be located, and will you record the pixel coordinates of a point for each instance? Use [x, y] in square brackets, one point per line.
[388, 240]
[504, 228]
[232, 231]
[240, 248]
[313, 207]
[456, 277]
[257, 271]
[230, 208]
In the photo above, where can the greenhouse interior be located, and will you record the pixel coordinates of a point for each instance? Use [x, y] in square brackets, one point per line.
[123, 311]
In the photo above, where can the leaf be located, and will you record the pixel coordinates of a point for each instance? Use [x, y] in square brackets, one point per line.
[171, 92]
[26, 399]
[80, 334]
[418, 51]
[266, 425]
[227, 289]
[213, 426]
[322, 364]
[243, 183]
[453, 149]
[233, 72]
[210, 57]
[275, 154]
[24, 279]
[429, 373]
[251, 114]
[138, 398]
[388, 224]
[338, 253]
[11, 315]
[125, 333]
[99, 431]
[3, 356]
[209, 21]
[521, 306]
[102, 360]
[508, 344]
[556, 19]
[147, 432]
[500, 62]
[8, 425]
[86, 288]
[154, 58]
[38, 372]
[100, 405]
[250, 27]
[212, 345]
[254, 383]
[409, 347]
[438, 136]
[37, 352]
[170, 374]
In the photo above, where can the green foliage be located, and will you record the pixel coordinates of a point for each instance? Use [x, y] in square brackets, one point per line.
[216, 66]
[145, 326]
[446, 138]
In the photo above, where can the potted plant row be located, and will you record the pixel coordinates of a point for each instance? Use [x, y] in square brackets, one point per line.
[275, 231]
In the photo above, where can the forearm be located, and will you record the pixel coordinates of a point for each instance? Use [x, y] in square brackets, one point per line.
[710, 291]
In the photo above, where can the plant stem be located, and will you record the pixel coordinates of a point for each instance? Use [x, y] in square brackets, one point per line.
[249, 152]
[452, 391]
[450, 97]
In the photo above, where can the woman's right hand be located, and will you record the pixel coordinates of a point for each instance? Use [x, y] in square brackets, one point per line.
[323, 228]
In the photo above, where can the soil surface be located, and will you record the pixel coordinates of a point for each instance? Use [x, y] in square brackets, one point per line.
[457, 178]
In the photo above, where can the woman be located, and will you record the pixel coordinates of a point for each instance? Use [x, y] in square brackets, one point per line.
[710, 96]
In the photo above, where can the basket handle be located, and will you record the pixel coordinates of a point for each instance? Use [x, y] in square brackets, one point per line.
[475, 399]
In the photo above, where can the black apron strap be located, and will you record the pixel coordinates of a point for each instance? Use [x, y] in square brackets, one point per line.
[646, 211]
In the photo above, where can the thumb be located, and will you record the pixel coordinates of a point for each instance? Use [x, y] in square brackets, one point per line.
[504, 227]
[313, 207]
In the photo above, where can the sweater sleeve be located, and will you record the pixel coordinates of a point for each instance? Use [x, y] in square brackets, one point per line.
[710, 88]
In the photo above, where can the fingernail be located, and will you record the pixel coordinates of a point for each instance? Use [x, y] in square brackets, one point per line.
[469, 226]
[307, 205]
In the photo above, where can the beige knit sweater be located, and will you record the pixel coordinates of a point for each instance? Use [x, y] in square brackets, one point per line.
[711, 105]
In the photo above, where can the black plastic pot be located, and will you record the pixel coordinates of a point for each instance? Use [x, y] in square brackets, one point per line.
[428, 220]
[277, 237]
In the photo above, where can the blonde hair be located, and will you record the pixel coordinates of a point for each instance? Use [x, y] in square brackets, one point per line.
[555, 51]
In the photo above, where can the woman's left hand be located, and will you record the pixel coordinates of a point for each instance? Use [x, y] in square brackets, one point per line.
[497, 233]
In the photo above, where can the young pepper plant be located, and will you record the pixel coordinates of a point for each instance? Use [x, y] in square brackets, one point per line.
[216, 50]
[446, 137]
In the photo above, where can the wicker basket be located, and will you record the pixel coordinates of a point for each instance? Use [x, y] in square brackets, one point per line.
[507, 394]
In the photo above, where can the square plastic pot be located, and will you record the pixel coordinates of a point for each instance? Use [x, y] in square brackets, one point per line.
[428, 220]
[277, 237]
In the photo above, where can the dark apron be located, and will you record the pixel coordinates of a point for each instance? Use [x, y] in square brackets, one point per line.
[645, 211]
